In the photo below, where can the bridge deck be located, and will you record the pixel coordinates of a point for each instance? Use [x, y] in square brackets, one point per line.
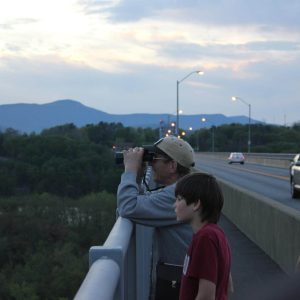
[253, 271]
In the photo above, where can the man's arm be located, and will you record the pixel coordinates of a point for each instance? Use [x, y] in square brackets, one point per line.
[206, 290]
[153, 209]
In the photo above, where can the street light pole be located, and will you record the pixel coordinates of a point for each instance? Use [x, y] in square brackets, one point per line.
[177, 97]
[177, 107]
[249, 120]
[249, 129]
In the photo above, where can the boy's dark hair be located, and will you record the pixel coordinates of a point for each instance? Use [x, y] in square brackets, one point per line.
[203, 187]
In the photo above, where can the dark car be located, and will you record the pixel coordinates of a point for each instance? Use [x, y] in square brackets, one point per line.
[295, 176]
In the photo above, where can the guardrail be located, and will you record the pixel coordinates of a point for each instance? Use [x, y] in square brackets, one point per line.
[121, 268]
[101, 281]
[108, 264]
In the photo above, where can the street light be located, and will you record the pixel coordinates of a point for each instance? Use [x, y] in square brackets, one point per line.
[173, 128]
[177, 94]
[234, 98]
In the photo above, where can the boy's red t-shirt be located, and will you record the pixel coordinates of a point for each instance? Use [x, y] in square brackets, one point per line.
[209, 258]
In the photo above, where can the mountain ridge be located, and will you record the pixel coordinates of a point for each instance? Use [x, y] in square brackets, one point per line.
[33, 117]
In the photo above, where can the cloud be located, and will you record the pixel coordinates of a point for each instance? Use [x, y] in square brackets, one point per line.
[12, 24]
[126, 11]
[273, 46]
[96, 7]
[221, 12]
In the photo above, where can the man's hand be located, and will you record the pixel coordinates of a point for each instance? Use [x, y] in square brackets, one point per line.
[133, 158]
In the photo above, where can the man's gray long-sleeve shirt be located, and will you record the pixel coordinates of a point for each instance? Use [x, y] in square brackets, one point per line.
[155, 209]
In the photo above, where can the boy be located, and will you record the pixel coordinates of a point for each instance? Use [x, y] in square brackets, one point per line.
[206, 271]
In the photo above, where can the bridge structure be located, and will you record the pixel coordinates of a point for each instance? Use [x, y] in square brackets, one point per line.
[264, 238]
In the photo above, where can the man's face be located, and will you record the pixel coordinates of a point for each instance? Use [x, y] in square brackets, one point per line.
[161, 169]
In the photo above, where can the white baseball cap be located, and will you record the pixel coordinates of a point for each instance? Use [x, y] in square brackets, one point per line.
[178, 149]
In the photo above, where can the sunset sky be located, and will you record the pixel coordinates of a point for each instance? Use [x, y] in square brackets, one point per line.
[126, 56]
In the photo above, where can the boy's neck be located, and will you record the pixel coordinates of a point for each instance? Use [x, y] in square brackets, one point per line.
[197, 224]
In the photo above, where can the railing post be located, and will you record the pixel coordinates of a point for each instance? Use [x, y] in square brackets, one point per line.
[114, 253]
[102, 270]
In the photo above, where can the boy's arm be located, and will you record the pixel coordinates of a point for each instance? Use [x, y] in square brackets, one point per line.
[206, 290]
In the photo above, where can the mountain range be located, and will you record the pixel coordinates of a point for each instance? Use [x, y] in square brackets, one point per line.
[29, 118]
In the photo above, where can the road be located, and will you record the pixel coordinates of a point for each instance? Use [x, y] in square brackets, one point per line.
[271, 182]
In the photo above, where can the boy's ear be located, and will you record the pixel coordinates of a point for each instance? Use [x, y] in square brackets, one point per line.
[197, 205]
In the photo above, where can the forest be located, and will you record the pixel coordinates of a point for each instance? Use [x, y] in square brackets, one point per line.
[234, 138]
[58, 196]
[57, 199]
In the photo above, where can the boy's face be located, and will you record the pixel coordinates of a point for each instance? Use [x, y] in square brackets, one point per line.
[183, 211]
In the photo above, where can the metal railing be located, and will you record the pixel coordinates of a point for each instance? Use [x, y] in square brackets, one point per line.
[108, 264]
[121, 268]
[103, 276]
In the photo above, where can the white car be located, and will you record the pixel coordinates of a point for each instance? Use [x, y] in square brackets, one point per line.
[236, 157]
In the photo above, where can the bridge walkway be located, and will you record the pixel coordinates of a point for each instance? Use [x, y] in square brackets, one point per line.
[253, 271]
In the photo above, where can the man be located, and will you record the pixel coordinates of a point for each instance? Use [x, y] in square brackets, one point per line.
[173, 159]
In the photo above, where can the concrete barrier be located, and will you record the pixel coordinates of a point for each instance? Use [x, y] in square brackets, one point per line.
[274, 227]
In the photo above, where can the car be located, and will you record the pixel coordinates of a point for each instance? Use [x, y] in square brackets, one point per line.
[295, 176]
[236, 157]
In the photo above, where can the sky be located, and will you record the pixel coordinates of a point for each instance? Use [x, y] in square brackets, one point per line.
[126, 56]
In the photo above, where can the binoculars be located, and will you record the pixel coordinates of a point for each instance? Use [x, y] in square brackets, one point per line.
[149, 154]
